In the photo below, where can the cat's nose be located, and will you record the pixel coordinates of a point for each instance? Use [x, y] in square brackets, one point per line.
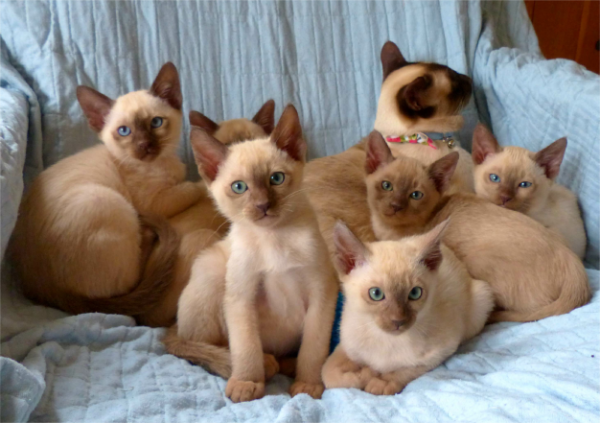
[505, 199]
[397, 207]
[264, 207]
[398, 323]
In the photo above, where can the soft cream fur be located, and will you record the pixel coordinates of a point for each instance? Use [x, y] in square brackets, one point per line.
[269, 288]
[551, 204]
[78, 231]
[383, 359]
[533, 275]
[200, 226]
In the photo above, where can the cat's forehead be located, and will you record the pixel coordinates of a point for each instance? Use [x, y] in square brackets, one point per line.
[514, 160]
[391, 264]
[255, 157]
[403, 169]
[140, 104]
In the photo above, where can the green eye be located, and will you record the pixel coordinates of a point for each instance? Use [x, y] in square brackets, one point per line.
[387, 185]
[525, 184]
[494, 178]
[415, 293]
[277, 178]
[239, 187]
[376, 294]
[417, 195]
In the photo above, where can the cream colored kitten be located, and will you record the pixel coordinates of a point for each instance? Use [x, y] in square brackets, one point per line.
[408, 305]
[269, 287]
[78, 240]
[201, 225]
[521, 180]
[423, 97]
[532, 273]
[336, 184]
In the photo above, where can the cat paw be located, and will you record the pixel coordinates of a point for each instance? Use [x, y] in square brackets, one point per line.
[315, 390]
[271, 366]
[378, 386]
[244, 390]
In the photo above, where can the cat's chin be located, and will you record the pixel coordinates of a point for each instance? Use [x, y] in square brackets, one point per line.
[266, 220]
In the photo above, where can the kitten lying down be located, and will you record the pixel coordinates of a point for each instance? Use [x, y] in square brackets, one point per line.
[408, 305]
[532, 273]
[201, 225]
[415, 97]
[79, 244]
[268, 289]
[522, 180]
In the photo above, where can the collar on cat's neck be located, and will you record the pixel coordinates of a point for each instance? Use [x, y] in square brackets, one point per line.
[420, 138]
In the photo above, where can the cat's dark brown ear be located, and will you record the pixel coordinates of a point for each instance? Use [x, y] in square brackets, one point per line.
[441, 171]
[378, 152]
[208, 152]
[166, 86]
[391, 58]
[95, 106]
[265, 117]
[484, 144]
[201, 121]
[287, 135]
[551, 157]
[350, 252]
[431, 254]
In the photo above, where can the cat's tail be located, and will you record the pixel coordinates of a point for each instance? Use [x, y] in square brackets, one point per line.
[215, 359]
[575, 292]
[156, 277]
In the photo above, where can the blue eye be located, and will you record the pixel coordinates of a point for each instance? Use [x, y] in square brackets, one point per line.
[525, 184]
[415, 293]
[156, 122]
[239, 187]
[277, 178]
[376, 294]
[124, 131]
[494, 178]
[417, 195]
[387, 185]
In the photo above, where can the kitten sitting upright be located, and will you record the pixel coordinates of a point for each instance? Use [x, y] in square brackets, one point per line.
[521, 180]
[201, 225]
[268, 289]
[408, 305]
[78, 244]
[532, 273]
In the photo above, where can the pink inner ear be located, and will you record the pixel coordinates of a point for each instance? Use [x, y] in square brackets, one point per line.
[484, 144]
[210, 163]
[433, 257]
[378, 152]
[349, 250]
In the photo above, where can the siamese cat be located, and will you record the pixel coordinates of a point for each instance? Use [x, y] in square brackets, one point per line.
[79, 244]
[521, 180]
[426, 97]
[408, 305]
[532, 273]
[201, 225]
[268, 289]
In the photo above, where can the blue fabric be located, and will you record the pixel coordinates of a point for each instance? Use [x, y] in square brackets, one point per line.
[324, 58]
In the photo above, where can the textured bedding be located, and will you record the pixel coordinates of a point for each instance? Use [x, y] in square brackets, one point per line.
[323, 57]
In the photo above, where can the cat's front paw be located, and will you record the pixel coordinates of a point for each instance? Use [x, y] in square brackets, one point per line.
[378, 386]
[315, 390]
[244, 390]
[271, 366]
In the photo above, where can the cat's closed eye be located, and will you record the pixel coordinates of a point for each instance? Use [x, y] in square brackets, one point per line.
[376, 294]
[156, 122]
[239, 187]
[415, 293]
[494, 178]
[124, 131]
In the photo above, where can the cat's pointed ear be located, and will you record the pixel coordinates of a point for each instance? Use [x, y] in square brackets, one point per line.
[431, 254]
[551, 157]
[265, 117]
[378, 152]
[287, 135]
[95, 106]
[391, 59]
[208, 152]
[441, 171]
[350, 252]
[484, 144]
[167, 86]
[201, 121]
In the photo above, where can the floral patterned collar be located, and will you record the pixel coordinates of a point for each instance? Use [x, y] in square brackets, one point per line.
[420, 138]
